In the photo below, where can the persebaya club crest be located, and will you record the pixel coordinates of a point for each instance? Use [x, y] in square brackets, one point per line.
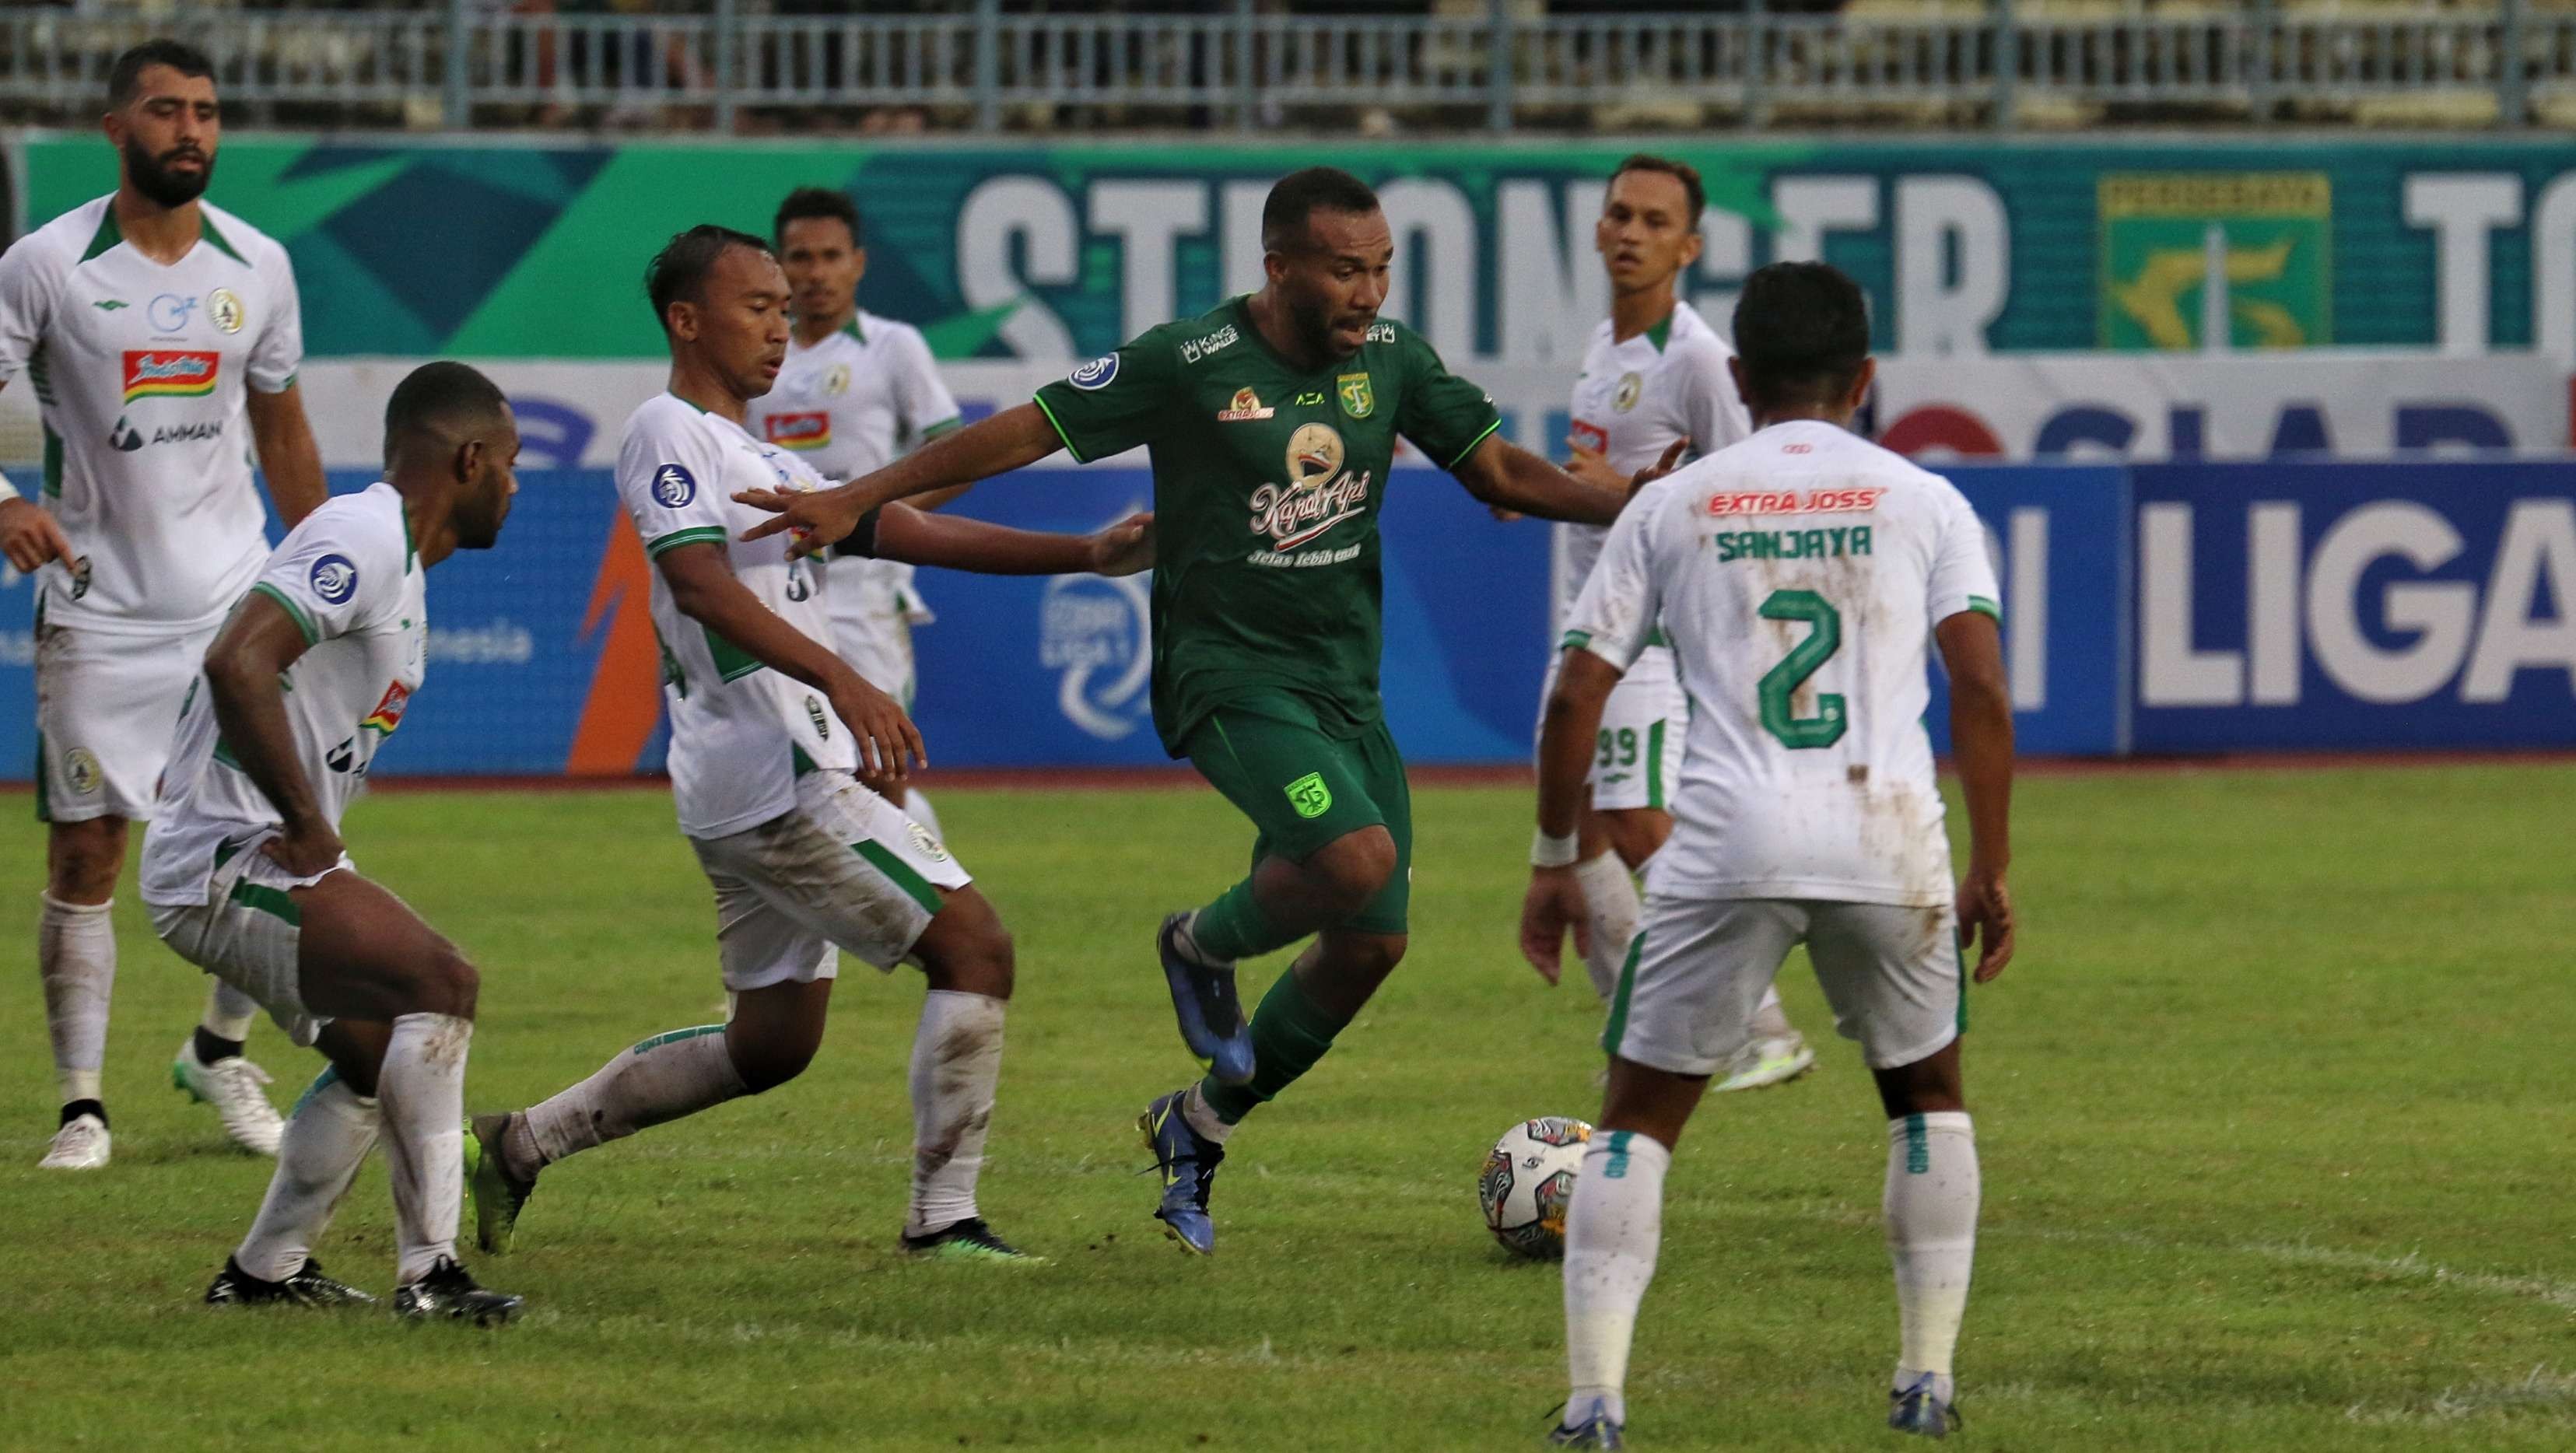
[1357, 400]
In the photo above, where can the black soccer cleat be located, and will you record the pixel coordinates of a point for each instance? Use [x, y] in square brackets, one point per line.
[305, 1287]
[449, 1293]
[968, 1240]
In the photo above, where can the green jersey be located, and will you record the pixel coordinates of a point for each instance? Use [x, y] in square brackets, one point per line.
[1268, 480]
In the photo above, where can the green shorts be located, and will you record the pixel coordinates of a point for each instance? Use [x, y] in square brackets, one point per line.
[1303, 788]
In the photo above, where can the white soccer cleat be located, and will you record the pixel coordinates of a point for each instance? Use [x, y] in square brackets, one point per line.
[232, 1086]
[80, 1145]
[1768, 1062]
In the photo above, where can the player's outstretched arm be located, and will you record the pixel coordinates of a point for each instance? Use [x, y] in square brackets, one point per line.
[1981, 746]
[958, 543]
[1505, 476]
[1567, 730]
[705, 590]
[1011, 439]
[244, 668]
[288, 457]
[29, 533]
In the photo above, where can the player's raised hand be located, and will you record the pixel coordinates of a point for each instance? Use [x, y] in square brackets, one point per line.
[1671, 461]
[306, 851]
[889, 745]
[1986, 916]
[819, 518]
[1125, 547]
[1554, 905]
[30, 536]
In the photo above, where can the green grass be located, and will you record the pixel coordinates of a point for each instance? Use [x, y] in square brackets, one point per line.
[2273, 1113]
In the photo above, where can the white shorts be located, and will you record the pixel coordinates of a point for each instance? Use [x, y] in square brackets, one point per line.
[247, 934]
[844, 868]
[1699, 967]
[106, 708]
[1638, 759]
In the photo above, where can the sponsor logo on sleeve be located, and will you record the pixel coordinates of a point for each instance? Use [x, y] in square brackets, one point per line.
[224, 310]
[1246, 405]
[1096, 374]
[169, 373]
[335, 579]
[799, 431]
[673, 486]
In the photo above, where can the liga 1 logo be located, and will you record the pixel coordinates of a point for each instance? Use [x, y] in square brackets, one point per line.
[167, 373]
[335, 579]
[799, 431]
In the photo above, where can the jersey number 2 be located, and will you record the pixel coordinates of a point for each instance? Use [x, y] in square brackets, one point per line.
[1780, 682]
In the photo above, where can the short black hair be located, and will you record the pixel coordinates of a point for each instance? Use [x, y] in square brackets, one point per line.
[680, 269]
[1681, 171]
[441, 397]
[1300, 195]
[1802, 330]
[126, 76]
[806, 203]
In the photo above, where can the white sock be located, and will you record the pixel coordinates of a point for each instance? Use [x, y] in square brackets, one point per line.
[917, 807]
[422, 1087]
[1770, 1021]
[956, 1062]
[1611, 907]
[229, 1013]
[1612, 1229]
[661, 1079]
[1931, 1214]
[76, 956]
[1202, 1115]
[326, 1138]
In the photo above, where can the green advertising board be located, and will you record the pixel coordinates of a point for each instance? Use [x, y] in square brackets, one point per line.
[504, 249]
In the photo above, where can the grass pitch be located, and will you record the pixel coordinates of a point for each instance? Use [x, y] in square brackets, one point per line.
[2272, 1108]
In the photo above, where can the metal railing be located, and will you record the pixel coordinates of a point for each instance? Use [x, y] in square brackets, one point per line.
[456, 65]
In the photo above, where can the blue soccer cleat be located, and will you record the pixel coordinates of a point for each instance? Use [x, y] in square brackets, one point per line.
[1921, 1409]
[1188, 1162]
[1591, 1428]
[1211, 1016]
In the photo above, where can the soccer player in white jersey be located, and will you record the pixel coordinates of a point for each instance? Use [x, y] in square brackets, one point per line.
[775, 746]
[1655, 375]
[1799, 575]
[855, 392]
[246, 876]
[157, 329]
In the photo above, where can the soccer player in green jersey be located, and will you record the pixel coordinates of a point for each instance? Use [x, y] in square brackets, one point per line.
[1271, 423]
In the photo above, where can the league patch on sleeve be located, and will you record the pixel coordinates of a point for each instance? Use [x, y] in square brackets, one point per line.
[1096, 374]
[673, 486]
[335, 579]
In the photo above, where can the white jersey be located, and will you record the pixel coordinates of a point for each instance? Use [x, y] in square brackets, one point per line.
[1798, 576]
[852, 404]
[1631, 402]
[139, 372]
[739, 731]
[349, 576]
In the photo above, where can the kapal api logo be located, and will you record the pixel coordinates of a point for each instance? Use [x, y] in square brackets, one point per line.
[335, 579]
[673, 486]
[1318, 495]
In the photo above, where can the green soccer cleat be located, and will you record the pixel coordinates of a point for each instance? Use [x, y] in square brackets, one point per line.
[498, 1195]
[968, 1240]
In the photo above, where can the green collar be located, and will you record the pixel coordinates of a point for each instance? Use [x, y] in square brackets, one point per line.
[409, 554]
[701, 408]
[109, 234]
[1658, 334]
[852, 328]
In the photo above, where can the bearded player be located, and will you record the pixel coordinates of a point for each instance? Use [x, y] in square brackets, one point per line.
[775, 746]
[1271, 423]
[157, 330]
[855, 392]
[1655, 375]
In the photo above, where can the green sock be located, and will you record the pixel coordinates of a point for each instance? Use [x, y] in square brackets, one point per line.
[1289, 1033]
[1234, 927]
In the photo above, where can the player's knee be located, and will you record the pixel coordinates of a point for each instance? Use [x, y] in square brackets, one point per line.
[447, 984]
[82, 860]
[767, 1066]
[1352, 869]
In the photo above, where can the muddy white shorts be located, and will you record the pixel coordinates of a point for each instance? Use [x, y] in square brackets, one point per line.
[1637, 758]
[248, 931]
[106, 708]
[844, 868]
[1698, 968]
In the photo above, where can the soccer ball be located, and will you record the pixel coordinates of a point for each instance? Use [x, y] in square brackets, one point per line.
[1528, 1180]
